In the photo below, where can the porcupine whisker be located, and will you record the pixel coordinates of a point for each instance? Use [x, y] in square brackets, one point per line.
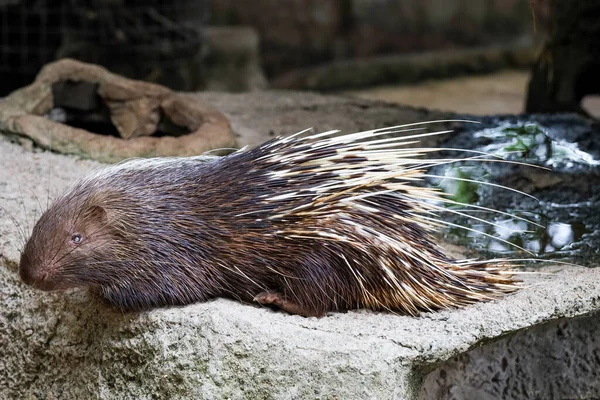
[41, 210]
[523, 265]
[21, 232]
[433, 163]
[49, 167]
[481, 182]
[62, 257]
[457, 212]
[421, 163]
[437, 221]
[486, 222]
[474, 209]
[439, 196]
[27, 223]
[495, 157]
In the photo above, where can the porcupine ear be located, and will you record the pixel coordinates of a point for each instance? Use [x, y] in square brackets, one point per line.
[97, 214]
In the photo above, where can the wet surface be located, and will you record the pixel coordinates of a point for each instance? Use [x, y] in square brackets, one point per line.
[551, 208]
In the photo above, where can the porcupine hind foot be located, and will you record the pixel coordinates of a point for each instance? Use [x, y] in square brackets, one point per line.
[285, 304]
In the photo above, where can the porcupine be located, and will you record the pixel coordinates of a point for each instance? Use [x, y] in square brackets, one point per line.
[309, 223]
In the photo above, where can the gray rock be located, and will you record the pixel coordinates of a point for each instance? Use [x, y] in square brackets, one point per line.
[67, 346]
[557, 360]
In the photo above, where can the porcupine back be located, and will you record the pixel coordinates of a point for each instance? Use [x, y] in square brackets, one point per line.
[319, 222]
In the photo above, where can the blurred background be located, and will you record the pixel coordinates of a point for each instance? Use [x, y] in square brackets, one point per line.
[469, 56]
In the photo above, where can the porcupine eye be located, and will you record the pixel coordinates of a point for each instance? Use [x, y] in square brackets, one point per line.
[76, 239]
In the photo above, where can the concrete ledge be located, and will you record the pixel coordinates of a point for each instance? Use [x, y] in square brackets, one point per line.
[67, 346]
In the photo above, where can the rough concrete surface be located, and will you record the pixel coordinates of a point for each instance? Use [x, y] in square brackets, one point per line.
[64, 346]
[558, 360]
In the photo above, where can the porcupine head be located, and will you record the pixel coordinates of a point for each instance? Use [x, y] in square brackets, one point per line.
[309, 223]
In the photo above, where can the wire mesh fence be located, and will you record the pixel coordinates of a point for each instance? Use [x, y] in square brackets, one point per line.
[156, 40]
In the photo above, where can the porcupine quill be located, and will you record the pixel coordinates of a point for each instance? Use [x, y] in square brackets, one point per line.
[309, 223]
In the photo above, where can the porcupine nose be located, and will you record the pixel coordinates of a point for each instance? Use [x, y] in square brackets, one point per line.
[29, 274]
[25, 270]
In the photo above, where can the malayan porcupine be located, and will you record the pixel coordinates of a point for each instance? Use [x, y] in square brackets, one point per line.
[309, 223]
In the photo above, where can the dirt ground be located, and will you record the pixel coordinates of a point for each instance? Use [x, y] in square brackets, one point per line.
[498, 93]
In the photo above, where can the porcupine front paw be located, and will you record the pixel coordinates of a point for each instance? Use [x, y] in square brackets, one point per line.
[279, 300]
